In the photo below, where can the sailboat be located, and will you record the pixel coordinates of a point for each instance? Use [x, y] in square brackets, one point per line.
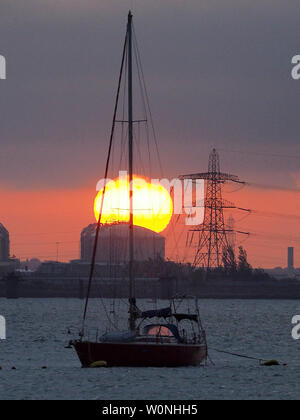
[163, 343]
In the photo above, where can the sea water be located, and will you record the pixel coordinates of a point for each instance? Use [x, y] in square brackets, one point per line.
[37, 331]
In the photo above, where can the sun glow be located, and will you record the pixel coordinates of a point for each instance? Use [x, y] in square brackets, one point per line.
[152, 204]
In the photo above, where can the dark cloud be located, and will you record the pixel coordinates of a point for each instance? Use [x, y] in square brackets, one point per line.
[218, 75]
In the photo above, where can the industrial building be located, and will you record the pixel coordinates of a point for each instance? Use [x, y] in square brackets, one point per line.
[291, 267]
[4, 244]
[113, 244]
[7, 264]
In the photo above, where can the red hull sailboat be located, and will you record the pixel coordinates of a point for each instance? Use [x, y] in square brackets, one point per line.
[141, 354]
[163, 343]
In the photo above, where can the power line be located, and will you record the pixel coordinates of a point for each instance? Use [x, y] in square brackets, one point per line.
[273, 214]
[43, 243]
[273, 187]
[277, 155]
[270, 236]
[65, 255]
[45, 233]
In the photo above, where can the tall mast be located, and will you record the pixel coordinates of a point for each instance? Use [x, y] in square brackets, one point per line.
[104, 189]
[132, 307]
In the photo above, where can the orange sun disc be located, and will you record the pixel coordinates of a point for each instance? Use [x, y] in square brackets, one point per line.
[152, 204]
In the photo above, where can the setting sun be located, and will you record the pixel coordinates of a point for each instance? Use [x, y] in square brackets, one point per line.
[152, 204]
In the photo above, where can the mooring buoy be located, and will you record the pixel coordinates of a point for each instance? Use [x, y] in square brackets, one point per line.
[270, 363]
[98, 364]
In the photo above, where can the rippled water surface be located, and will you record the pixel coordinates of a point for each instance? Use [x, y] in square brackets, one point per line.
[37, 334]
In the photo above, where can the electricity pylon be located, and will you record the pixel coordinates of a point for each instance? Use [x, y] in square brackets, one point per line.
[211, 237]
[231, 234]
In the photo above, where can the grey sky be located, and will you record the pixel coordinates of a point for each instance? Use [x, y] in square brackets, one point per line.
[218, 73]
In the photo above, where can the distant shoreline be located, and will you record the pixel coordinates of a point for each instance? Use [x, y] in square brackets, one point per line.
[165, 288]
